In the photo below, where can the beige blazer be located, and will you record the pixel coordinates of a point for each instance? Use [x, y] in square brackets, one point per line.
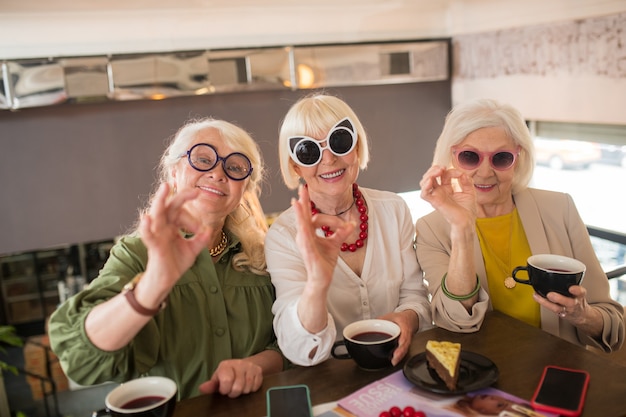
[552, 225]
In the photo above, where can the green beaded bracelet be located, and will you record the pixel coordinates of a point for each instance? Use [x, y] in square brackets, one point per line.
[459, 297]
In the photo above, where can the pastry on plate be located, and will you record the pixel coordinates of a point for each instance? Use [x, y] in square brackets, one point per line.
[445, 358]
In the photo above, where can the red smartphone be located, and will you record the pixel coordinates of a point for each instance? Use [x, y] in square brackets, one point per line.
[561, 391]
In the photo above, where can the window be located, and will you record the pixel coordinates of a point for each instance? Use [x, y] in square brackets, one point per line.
[589, 163]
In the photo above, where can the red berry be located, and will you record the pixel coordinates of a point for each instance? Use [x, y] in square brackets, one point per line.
[384, 414]
[408, 411]
[419, 414]
[395, 411]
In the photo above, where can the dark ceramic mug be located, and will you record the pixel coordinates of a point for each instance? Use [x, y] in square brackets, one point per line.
[370, 343]
[547, 273]
[152, 396]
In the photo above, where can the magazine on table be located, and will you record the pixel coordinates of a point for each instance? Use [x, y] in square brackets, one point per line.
[396, 390]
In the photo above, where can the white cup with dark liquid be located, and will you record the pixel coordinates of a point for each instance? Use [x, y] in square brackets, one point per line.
[151, 396]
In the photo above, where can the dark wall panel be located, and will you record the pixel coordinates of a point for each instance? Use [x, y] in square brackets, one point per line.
[78, 173]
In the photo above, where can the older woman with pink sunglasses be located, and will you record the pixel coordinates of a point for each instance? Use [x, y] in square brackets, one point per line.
[487, 221]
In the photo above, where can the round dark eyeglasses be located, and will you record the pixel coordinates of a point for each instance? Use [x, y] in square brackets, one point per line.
[471, 159]
[340, 140]
[204, 157]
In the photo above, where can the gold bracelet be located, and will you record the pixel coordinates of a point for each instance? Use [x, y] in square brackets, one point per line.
[129, 293]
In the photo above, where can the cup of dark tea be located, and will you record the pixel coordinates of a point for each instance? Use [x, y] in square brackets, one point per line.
[370, 343]
[551, 273]
[151, 396]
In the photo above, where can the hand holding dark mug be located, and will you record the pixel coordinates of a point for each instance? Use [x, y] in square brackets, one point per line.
[152, 396]
[370, 343]
[551, 273]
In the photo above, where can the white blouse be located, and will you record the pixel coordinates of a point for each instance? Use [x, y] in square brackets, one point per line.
[391, 280]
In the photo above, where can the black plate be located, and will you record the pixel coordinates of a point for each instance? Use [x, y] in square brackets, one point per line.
[475, 372]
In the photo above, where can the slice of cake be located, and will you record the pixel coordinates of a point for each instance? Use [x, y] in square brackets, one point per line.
[445, 358]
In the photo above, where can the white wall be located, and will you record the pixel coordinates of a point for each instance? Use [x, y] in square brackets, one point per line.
[471, 16]
[189, 24]
[42, 28]
[52, 28]
[570, 71]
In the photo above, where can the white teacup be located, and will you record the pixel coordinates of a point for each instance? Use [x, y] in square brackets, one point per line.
[152, 396]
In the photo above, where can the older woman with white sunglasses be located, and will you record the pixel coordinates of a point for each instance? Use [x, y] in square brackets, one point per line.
[341, 253]
[487, 221]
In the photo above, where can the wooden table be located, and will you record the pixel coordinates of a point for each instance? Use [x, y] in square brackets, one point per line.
[520, 351]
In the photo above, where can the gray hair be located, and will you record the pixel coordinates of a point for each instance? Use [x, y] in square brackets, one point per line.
[247, 221]
[234, 136]
[468, 117]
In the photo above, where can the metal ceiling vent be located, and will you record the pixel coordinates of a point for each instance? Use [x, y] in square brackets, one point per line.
[86, 78]
[32, 83]
[393, 63]
[156, 76]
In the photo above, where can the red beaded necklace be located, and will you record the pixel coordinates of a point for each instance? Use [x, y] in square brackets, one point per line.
[360, 203]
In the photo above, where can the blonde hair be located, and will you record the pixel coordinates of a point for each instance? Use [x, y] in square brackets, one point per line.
[314, 115]
[477, 114]
[247, 221]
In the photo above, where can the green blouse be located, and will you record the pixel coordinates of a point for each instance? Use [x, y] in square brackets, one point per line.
[213, 313]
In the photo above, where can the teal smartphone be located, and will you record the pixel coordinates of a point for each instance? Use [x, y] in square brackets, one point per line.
[289, 401]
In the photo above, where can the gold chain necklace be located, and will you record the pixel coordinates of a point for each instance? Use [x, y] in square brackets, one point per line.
[217, 250]
[509, 282]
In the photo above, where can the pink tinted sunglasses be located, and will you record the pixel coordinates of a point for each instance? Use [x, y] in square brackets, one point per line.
[471, 158]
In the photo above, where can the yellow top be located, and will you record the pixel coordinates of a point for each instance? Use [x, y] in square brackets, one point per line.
[504, 246]
[446, 352]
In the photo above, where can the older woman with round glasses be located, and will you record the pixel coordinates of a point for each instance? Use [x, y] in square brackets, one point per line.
[341, 253]
[186, 295]
[487, 221]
